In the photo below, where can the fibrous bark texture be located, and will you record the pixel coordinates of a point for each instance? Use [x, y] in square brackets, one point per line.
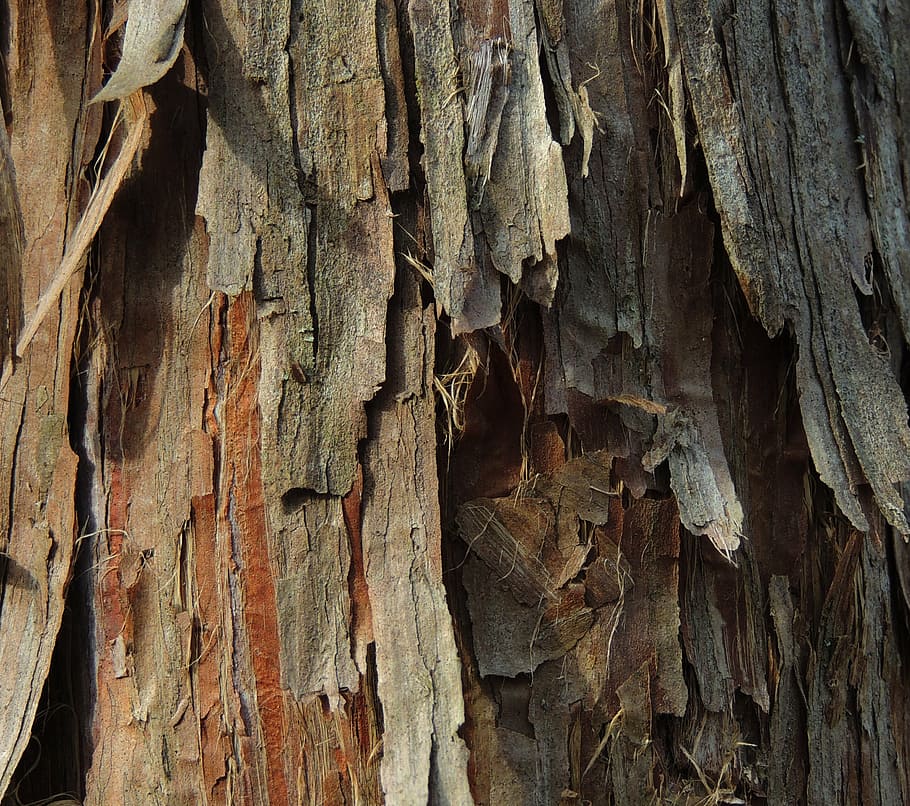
[454, 402]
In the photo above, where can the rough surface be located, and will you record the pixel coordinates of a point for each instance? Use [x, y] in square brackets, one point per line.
[467, 288]
[298, 221]
[471, 402]
[876, 61]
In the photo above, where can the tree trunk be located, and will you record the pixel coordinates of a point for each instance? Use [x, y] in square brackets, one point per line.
[471, 402]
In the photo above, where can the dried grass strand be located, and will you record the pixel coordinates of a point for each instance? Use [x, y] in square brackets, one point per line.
[135, 111]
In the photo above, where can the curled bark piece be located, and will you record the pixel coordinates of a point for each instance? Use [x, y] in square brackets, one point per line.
[153, 38]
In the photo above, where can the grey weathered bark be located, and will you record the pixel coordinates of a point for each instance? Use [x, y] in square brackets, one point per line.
[496, 402]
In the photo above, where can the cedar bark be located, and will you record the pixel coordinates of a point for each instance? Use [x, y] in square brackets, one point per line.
[494, 402]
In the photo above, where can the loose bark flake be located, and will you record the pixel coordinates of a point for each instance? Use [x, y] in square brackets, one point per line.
[151, 44]
[516, 172]
[631, 331]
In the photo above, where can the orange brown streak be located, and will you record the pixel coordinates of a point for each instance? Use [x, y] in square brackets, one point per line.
[490, 18]
[114, 606]
[361, 610]
[243, 458]
[205, 662]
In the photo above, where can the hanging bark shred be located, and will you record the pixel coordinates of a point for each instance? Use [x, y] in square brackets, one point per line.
[803, 245]
[151, 44]
[134, 115]
[467, 289]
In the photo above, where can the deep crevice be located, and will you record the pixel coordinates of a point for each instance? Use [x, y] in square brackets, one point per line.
[551, 108]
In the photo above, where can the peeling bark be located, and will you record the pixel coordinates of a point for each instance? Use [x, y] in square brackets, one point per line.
[495, 403]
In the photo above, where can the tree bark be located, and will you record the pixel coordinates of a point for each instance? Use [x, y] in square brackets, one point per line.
[465, 402]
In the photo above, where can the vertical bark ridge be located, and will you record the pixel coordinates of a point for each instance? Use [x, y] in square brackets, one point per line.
[49, 142]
